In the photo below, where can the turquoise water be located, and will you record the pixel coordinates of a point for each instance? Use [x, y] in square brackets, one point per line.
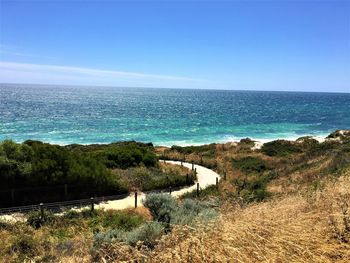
[64, 115]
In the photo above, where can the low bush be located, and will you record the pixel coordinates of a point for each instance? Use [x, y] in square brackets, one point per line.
[161, 206]
[205, 150]
[120, 219]
[24, 167]
[166, 211]
[109, 219]
[191, 211]
[127, 154]
[250, 164]
[147, 233]
[253, 189]
[281, 148]
[72, 214]
[255, 194]
[164, 208]
[36, 219]
[148, 179]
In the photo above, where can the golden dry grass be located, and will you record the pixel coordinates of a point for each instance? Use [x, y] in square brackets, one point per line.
[169, 168]
[294, 228]
[291, 229]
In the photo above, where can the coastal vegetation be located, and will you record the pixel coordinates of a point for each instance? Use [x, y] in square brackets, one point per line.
[34, 172]
[286, 201]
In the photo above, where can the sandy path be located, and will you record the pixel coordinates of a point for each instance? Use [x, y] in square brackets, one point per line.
[205, 178]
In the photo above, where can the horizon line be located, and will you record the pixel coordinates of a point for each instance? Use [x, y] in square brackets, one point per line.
[150, 87]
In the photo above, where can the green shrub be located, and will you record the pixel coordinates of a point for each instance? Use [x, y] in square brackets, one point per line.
[192, 211]
[72, 214]
[250, 164]
[151, 178]
[36, 220]
[110, 219]
[125, 155]
[161, 206]
[120, 219]
[307, 141]
[147, 233]
[156, 180]
[280, 148]
[164, 208]
[87, 213]
[115, 235]
[166, 211]
[253, 189]
[255, 195]
[34, 163]
[206, 150]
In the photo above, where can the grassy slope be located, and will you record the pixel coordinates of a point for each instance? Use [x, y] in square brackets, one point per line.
[293, 228]
[304, 219]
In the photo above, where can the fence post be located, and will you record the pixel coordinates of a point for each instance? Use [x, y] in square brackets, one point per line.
[197, 189]
[41, 205]
[192, 166]
[195, 171]
[170, 190]
[135, 199]
[92, 204]
[217, 182]
[65, 191]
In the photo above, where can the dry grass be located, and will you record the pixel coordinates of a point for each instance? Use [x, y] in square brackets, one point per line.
[295, 228]
[169, 168]
[292, 229]
[301, 223]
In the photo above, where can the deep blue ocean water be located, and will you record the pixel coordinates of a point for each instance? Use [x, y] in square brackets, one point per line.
[64, 115]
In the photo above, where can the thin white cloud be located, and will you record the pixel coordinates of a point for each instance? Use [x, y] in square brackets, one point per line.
[13, 53]
[23, 72]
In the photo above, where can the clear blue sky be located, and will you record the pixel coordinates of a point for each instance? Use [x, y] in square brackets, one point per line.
[258, 45]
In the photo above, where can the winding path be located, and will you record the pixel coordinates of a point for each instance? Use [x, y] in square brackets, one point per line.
[205, 176]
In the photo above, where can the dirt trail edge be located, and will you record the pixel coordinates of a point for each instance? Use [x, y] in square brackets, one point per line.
[205, 178]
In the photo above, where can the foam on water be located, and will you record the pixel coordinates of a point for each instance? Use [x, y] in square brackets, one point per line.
[65, 115]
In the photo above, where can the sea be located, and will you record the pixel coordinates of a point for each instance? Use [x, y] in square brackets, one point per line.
[88, 115]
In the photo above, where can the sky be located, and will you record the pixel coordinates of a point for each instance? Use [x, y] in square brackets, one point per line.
[244, 45]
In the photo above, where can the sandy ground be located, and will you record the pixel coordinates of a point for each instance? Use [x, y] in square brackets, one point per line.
[205, 178]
